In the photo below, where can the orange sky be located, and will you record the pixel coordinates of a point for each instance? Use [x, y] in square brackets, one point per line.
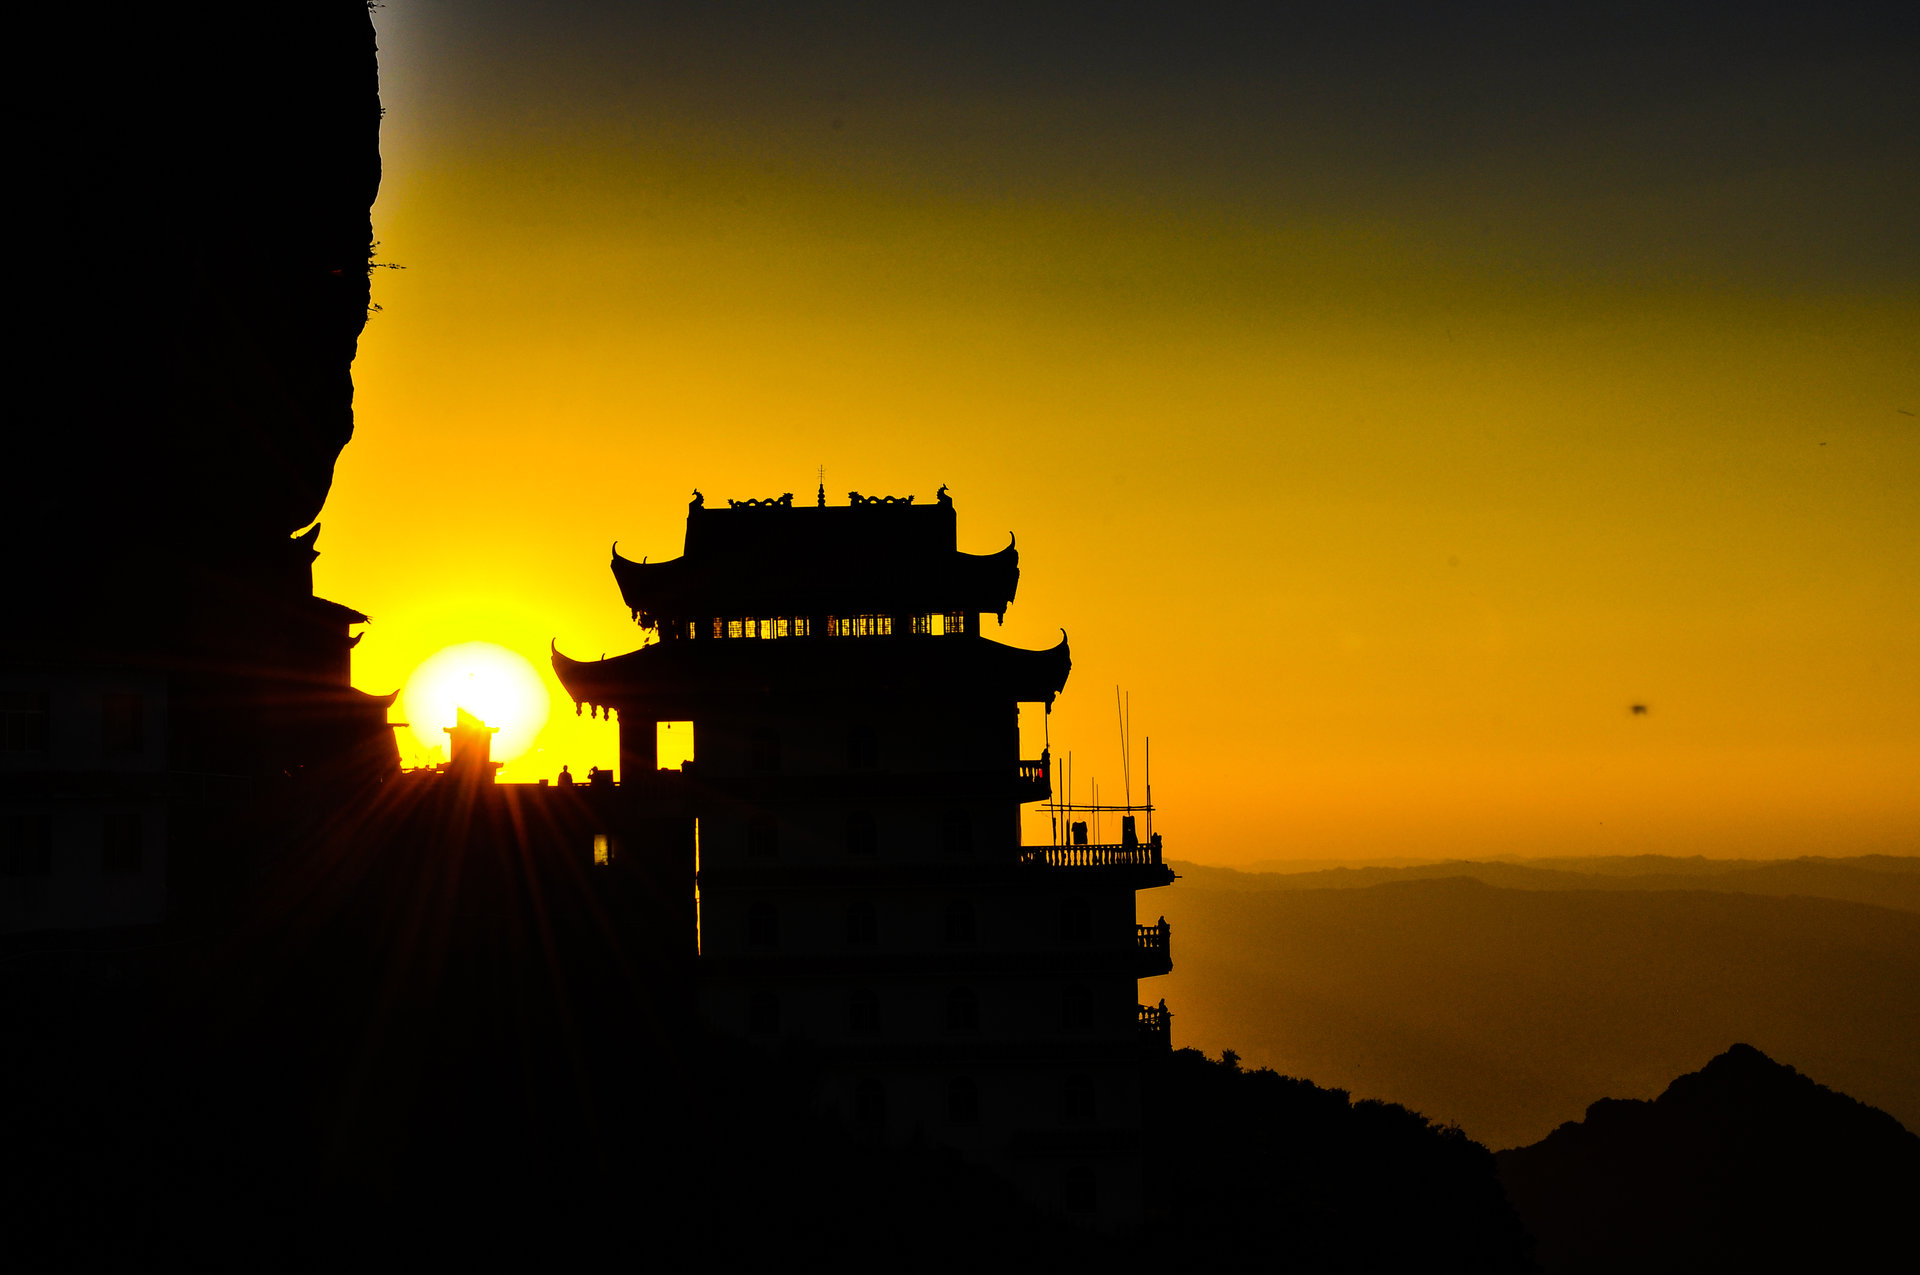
[1386, 478]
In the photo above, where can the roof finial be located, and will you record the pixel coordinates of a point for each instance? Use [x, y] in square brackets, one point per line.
[823, 487]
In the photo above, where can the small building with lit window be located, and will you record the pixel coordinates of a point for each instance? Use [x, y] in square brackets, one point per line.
[852, 837]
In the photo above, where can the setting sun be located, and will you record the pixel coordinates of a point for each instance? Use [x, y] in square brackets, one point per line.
[497, 685]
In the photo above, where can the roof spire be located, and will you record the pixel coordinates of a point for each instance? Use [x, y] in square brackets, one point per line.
[823, 487]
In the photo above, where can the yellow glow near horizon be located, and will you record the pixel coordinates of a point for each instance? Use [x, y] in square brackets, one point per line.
[1384, 504]
[497, 685]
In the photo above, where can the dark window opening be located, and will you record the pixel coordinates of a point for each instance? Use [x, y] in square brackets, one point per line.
[763, 925]
[963, 1101]
[121, 726]
[763, 837]
[960, 921]
[1076, 920]
[863, 834]
[120, 848]
[1076, 1009]
[766, 750]
[23, 722]
[870, 1104]
[1078, 1191]
[763, 1014]
[863, 748]
[26, 844]
[963, 1010]
[956, 833]
[863, 1011]
[863, 924]
[1076, 1100]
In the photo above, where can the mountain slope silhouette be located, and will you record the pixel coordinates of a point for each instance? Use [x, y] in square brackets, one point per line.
[1743, 1165]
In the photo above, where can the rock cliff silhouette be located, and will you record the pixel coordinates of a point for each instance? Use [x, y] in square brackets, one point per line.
[1743, 1165]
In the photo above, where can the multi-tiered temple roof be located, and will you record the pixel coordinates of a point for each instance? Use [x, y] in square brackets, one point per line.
[773, 558]
[757, 574]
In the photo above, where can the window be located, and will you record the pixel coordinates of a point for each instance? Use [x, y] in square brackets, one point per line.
[870, 1104]
[26, 844]
[763, 925]
[863, 747]
[733, 628]
[923, 624]
[963, 1101]
[1076, 1100]
[863, 924]
[859, 625]
[766, 750]
[602, 848]
[763, 1014]
[863, 1011]
[863, 835]
[1076, 920]
[1078, 1192]
[954, 623]
[960, 921]
[956, 833]
[121, 727]
[120, 846]
[963, 1010]
[1076, 1008]
[763, 837]
[23, 722]
[719, 627]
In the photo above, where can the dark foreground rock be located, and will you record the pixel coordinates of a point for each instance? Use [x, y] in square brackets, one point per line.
[1255, 1170]
[1744, 1165]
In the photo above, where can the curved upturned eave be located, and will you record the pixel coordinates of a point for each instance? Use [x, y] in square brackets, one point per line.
[678, 667]
[679, 590]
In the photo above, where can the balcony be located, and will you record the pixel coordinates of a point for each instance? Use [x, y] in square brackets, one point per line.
[1156, 1027]
[1131, 854]
[1034, 779]
[1153, 952]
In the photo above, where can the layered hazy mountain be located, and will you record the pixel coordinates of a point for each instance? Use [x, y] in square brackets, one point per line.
[1508, 996]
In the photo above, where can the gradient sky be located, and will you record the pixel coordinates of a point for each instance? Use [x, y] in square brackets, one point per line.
[1387, 399]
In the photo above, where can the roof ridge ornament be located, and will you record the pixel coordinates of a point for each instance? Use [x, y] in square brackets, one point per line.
[771, 502]
[855, 498]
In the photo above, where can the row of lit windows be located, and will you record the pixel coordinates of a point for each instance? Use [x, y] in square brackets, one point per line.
[962, 1012]
[960, 923]
[950, 623]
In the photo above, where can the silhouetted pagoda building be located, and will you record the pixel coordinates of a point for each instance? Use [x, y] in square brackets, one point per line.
[858, 871]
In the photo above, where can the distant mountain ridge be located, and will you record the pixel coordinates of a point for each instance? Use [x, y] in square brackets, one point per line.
[1743, 1165]
[1888, 881]
[1508, 1011]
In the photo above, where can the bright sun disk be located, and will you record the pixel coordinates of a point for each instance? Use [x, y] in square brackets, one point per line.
[498, 686]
